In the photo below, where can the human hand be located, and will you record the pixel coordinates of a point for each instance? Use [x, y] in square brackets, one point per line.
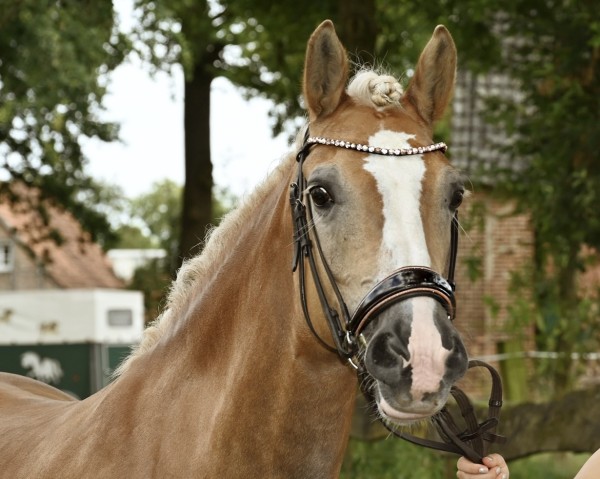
[493, 467]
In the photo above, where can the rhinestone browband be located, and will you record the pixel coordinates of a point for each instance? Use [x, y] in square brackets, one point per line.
[317, 140]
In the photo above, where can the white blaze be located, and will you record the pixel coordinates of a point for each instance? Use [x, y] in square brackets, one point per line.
[427, 355]
[399, 181]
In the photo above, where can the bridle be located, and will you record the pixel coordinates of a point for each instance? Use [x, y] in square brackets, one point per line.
[401, 284]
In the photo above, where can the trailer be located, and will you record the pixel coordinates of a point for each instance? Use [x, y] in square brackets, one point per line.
[72, 339]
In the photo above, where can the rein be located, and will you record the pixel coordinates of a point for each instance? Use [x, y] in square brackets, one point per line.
[469, 441]
[401, 284]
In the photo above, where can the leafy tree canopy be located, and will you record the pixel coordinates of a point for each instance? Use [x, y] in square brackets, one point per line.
[151, 219]
[160, 211]
[54, 56]
[552, 51]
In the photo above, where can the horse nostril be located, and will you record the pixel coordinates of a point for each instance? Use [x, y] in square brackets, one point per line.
[382, 352]
[457, 361]
[433, 398]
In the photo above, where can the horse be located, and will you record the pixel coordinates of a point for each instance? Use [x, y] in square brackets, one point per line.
[251, 368]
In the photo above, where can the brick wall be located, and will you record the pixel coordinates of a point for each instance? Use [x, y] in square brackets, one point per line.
[494, 245]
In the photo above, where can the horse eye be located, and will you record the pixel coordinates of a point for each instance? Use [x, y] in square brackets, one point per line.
[320, 196]
[457, 198]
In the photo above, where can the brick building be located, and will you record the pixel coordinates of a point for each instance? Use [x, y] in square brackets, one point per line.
[497, 243]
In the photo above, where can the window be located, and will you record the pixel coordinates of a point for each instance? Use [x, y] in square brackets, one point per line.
[6, 256]
[120, 317]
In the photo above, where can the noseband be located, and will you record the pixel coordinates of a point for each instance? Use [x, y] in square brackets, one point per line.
[404, 283]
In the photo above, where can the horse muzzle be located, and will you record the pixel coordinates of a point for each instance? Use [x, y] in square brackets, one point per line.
[413, 353]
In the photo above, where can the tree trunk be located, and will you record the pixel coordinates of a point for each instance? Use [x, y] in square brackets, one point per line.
[358, 28]
[567, 424]
[197, 191]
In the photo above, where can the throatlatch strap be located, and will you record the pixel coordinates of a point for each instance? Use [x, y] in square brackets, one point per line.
[453, 250]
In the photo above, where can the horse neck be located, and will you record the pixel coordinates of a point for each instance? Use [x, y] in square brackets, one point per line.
[246, 368]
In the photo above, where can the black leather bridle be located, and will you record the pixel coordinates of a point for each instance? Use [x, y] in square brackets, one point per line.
[401, 284]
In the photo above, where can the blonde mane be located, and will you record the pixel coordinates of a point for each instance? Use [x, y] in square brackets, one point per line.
[365, 87]
[195, 271]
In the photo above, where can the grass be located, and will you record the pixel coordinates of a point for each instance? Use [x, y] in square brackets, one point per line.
[548, 466]
[396, 459]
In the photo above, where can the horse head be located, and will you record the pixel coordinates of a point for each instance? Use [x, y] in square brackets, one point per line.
[381, 199]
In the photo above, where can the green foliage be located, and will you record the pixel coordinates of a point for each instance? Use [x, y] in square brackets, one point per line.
[223, 202]
[240, 40]
[153, 219]
[567, 327]
[153, 279]
[557, 123]
[552, 52]
[393, 459]
[160, 212]
[52, 62]
[473, 221]
[132, 237]
[548, 466]
[176, 32]
[270, 63]
[397, 459]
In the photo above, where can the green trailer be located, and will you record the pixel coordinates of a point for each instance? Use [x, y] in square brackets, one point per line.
[79, 369]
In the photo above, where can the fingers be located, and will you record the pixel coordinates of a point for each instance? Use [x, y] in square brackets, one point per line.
[468, 467]
[497, 463]
[493, 467]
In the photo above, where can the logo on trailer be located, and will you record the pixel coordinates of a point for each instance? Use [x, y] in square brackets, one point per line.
[44, 369]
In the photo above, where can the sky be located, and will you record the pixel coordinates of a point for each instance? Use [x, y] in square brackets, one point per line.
[150, 112]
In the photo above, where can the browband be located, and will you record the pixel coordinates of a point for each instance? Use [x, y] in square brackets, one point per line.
[376, 150]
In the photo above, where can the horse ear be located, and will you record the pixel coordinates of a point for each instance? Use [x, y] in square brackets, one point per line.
[431, 87]
[325, 71]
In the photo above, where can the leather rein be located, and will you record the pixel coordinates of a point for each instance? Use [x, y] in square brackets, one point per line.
[401, 284]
